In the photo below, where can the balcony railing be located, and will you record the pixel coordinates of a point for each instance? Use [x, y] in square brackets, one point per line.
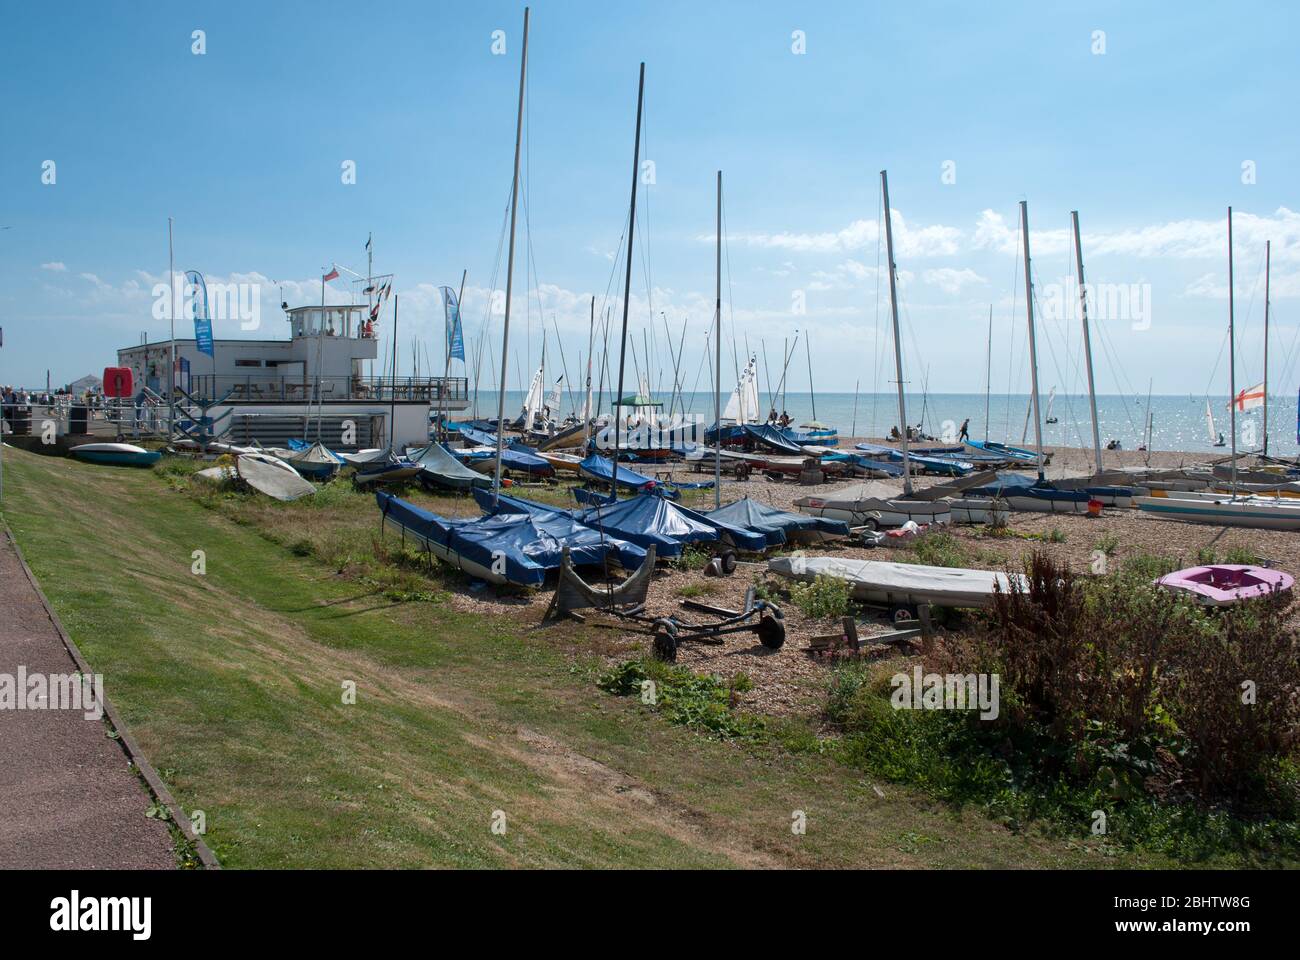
[253, 388]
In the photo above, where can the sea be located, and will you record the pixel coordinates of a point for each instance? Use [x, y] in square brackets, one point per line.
[1178, 423]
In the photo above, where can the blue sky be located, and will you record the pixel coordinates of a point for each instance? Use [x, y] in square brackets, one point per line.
[243, 146]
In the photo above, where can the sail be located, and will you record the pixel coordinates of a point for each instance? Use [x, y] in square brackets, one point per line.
[553, 401]
[1051, 396]
[742, 406]
[1209, 422]
[533, 400]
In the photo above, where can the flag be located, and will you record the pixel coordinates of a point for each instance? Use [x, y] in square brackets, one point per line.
[455, 336]
[332, 275]
[369, 237]
[199, 307]
[382, 290]
[1249, 399]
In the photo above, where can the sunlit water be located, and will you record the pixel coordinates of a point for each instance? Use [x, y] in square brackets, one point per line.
[1178, 423]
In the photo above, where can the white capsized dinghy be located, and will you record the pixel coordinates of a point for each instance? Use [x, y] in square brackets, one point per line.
[899, 584]
[273, 477]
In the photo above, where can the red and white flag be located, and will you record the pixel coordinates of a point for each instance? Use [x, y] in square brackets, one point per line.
[1249, 399]
[332, 275]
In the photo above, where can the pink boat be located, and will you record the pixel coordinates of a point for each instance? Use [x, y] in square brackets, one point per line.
[1220, 584]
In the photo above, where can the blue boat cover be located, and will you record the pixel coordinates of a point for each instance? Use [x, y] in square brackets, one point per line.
[511, 460]
[768, 436]
[596, 467]
[1019, 485]
[531, 543]
[775, 524]
[654, 521]
[479, 438]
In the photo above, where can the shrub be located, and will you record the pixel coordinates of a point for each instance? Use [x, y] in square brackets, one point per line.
[822, 598]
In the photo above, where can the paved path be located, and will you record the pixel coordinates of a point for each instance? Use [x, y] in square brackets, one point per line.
[67, 797]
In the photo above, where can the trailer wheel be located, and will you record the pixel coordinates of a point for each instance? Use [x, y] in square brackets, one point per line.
[771, 628]
[665, 641]
[872, 524]
[729, 562]
[903, 614]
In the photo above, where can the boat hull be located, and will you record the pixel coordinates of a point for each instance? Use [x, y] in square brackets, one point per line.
[1222, 512]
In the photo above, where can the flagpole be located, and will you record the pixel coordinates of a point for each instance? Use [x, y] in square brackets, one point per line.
[171, 299]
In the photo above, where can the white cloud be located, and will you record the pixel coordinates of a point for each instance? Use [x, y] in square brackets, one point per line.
[55, 266]
[950, 280]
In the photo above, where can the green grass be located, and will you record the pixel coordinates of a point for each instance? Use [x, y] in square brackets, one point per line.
[233, 684]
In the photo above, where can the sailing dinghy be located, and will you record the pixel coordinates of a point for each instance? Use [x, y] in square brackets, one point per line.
[116, 454]
[899, 584]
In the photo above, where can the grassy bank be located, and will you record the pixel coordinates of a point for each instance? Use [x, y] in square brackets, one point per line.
[233, 682]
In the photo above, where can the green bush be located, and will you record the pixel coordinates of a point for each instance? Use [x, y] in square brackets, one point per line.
[822, 598]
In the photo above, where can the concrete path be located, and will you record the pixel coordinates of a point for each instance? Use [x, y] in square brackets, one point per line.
[67, 797]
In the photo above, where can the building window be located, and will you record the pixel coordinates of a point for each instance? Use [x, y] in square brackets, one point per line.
[248, 363]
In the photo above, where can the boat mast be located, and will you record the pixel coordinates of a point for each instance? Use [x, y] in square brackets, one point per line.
[591, 342]
[510, 268]
[898, 343]
[1033, 348]
[988, 375]
[627, 277]
[1232, 359]
[392, 404]
[1087, 339]
[1268, 254]
[717, 357]
[812, 393]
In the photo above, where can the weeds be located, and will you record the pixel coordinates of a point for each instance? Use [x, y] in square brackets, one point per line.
[705, 703]
[822, 598]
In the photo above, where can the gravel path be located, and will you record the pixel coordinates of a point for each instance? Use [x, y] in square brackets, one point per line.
[67, 797]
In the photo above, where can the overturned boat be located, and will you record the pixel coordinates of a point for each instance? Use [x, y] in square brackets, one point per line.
[899, 584]
[873, 504]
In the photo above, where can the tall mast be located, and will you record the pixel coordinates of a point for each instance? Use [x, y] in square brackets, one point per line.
[1087, 339]
[510, 267]
[1232, 359]
[627, 277]
[591, 342]
[988, 374]
[1033, 347]
[717, 358]
[898, 343]
[1268, 254]
[171, 298]
[812, 394]
[392, 406]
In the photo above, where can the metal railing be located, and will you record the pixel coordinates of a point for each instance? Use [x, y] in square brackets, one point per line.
[253, 388]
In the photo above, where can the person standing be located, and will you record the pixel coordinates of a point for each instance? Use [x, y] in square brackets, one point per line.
[965, 430]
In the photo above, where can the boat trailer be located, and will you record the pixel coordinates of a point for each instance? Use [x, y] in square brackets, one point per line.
[625, 605]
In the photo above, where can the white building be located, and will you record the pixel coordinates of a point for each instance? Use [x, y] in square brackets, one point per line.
[277, 389]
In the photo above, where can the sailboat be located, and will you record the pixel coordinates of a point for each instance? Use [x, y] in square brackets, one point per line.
[1230, 509]
[871, 504]
[1051, 397]
[1038, 495]
[1216, 438]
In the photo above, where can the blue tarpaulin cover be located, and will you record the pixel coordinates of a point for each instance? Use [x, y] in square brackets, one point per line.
[531, 544]
[596, 467]
[775, 524]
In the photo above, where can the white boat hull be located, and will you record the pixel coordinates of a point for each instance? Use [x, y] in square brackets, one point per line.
[899, 584]
[877, 513]
[1252, 512]
[476, 570]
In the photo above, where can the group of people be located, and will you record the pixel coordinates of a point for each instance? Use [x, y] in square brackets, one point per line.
[782, 421]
